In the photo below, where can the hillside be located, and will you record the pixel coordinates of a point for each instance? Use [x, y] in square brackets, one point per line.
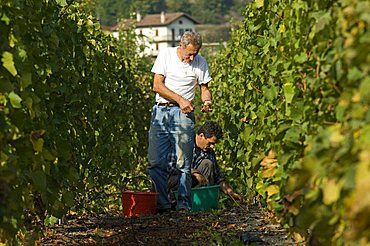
[205, 11]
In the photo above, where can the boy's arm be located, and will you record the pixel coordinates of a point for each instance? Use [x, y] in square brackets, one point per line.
[228, 190]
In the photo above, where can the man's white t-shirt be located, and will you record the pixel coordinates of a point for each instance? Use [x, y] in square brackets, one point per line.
[180, 78]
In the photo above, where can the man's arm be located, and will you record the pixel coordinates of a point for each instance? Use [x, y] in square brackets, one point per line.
[160, 88]
[228, 190]
[206, 96]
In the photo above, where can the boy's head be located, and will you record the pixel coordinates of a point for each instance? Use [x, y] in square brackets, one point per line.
[208, 135]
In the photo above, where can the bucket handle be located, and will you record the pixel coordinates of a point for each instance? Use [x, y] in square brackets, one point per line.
[143, 177]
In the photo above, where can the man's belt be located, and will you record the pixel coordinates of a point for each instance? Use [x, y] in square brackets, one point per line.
[169, 104]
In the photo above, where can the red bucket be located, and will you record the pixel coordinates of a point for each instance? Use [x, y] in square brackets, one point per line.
[139, 203]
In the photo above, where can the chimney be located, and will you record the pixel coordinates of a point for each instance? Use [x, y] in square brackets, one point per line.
[138, 16]
[163, 17]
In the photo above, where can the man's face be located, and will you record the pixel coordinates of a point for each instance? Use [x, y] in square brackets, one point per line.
[188, 53]
[206, 143]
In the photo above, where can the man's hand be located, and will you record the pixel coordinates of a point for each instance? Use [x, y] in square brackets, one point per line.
[237, 197]
[201, 180]
[186, 106]
[207, 106]
[228, 190]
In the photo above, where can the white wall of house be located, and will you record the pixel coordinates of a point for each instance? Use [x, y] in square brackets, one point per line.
[156, 38]
[181, 25]
[160, 37]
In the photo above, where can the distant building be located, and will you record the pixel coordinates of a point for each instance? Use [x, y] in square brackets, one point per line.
[159, 30]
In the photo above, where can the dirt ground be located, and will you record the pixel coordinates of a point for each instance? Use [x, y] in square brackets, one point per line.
[239, 225]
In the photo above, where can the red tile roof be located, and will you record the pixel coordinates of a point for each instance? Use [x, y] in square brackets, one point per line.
[155, 19]
[150, 20]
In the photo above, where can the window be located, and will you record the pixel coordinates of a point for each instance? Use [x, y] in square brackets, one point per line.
[181, 31]
[180, 22]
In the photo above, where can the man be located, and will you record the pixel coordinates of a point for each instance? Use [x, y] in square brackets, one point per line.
[177, 72]
[205, 170]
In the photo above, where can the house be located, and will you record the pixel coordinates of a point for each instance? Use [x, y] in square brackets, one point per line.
[160, 30]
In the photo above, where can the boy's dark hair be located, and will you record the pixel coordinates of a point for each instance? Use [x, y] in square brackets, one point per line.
[210, 129]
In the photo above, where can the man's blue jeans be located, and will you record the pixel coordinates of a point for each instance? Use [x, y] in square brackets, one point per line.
[171, 131]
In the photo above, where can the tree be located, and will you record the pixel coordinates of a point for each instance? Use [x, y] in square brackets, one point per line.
[209, 11]
[178, 6]
[109, 12]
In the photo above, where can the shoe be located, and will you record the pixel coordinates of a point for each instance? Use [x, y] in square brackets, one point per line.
[163, 210]
[173, 206]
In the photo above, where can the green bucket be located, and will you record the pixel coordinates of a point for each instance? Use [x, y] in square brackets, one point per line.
[204, 198]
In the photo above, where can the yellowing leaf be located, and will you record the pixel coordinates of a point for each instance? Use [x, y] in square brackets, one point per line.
[281, 28]
[331, 190]
[3, 158]
[267, 162]
[253, 115]
[260, 3]
[272, 190]
[362, 182]
[259, 185]
[268, 173]
[298, 237]
[336, 136]
[15, 100]
[8, 63]
[38, 144]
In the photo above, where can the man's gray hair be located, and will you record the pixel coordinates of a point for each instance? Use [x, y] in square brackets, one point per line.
[193, 38]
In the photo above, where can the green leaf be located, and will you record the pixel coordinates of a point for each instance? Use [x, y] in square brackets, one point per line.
[292, 134]
[241, 155]
[245, 134]
[39, 180]
[340, 112]
[15, 100]
[301, 58]
[322, 21]
[297, 111]
[6, 85]
[68, 198]
[8, 63]
[62, 2]
[364, 138]
[365, 88]
[354, 74]
[5, 18]
[288, 92]
[270, 93]
[50, 220]
[26, 80]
